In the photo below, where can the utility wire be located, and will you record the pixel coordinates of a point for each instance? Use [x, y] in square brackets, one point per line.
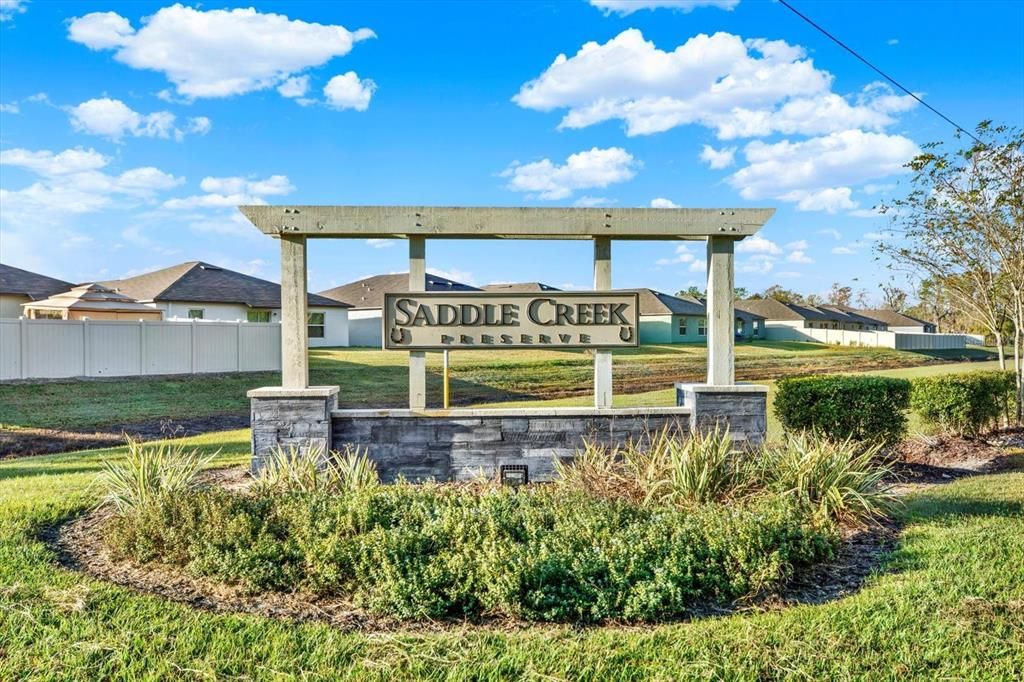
[877, 70]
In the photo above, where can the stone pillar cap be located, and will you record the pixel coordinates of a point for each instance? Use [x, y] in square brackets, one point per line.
[282, 392]
[733, 388]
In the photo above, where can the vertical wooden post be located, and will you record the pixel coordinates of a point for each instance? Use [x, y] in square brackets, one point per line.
[417, 358]
[294, 330]
[602, 358]
[721, 316]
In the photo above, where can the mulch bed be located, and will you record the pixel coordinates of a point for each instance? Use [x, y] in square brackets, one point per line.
[24, 442]
[79, 546]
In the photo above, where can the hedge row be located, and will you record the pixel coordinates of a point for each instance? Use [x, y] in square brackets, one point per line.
[874, 408]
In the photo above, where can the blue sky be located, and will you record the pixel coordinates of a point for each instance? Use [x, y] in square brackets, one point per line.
[128, 130]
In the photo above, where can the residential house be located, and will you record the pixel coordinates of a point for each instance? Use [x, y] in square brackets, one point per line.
[200, 291]
[899, 322]
[683, 319]
[779, 315]
[90, 302]
[18, 287]
[365, 300]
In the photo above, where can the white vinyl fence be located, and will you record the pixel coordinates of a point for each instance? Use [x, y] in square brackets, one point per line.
[843, 337]
[51, 349]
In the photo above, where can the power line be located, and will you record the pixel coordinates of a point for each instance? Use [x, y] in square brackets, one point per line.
[877, 70]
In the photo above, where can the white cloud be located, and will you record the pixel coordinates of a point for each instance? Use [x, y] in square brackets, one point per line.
[662, 202]
[229, 192]
[296, 86]
[817, 173]
[698, 266]
[873, 188]
[739, 88]
[11, 108]
[877, 236]
[843, 251]
[835, 234]
[718, 158]
[113, 119]
[72, 182]
[457, 275]
[349, 92]
[798, 245]
[759, 264]
[626, 7]
[8, 8]
[799, 256]
[755, 243]
[381, 243]
[216, 53]
[591, 202]
[583, 170]
[892, 41]
[682, 255]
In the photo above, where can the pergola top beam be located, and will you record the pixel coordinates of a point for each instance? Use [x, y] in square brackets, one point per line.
[444, 222]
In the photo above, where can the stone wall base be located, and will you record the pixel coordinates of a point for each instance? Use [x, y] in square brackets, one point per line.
[290, 418]
[742, 408]
[462, 444]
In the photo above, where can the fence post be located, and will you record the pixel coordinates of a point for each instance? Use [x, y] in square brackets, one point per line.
[238, 346]
[86, 348]
[193, 363]
[23, 347]
[142, 347]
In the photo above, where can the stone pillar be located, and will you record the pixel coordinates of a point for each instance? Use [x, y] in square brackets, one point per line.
[288, 417]
[603, 358]
[417, 358]
[721, 316]
[742, 408]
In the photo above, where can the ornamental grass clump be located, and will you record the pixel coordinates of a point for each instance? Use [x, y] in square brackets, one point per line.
[289, 470]
[839, 480]
[149, 472]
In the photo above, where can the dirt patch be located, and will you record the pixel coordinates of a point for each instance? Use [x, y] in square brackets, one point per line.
[24, 442]
[930, 460]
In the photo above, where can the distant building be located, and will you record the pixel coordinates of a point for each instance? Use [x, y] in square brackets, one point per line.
[200, 291]
[683, 319]
[779, 314]
[92, 302]
[18, 287]
[899, 322]
[365, 299]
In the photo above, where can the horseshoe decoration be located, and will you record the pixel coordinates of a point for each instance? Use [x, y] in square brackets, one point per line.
[626, 334]
[400, 336]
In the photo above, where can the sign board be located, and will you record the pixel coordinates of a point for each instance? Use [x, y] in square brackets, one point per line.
[488, 321]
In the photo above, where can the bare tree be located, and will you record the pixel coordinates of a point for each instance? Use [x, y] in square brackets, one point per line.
[840, 295]
[894, 298]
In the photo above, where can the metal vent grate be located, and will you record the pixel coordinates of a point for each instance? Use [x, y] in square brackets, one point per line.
[514, 474]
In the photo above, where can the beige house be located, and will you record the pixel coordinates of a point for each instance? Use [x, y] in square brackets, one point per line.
[90, 302]
[201, 291]
[18, 287]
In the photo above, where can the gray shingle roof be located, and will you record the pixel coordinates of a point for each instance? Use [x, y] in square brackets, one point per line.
[200, 282]
[654, 302]
[369, 292]
[772, 309]
[893, 318]
[25, 283]
[519, 287]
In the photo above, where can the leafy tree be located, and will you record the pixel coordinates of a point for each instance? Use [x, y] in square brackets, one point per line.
[840, 295]
[779, 293]
[894, 298]
[963, 226]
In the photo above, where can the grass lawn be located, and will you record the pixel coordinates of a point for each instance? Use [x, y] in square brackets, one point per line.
[372, 378]
[948, 603]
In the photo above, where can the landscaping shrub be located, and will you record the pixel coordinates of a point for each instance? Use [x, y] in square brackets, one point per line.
[288, 469]
[862, 408]
[150, 471]
[964, 404]
[430, 551]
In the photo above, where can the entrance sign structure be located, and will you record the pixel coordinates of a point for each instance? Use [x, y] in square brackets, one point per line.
[458, 443]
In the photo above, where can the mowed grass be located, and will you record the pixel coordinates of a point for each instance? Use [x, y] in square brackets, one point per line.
[948, 603]
[373, 378]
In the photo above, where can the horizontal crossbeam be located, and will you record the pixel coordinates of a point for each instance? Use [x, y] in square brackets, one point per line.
[462, 222]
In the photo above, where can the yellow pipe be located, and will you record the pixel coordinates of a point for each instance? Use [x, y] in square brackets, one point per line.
[447, 392]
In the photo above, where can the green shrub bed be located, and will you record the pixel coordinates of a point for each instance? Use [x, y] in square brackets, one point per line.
[964, 404]
[428, 551]
[862, 408]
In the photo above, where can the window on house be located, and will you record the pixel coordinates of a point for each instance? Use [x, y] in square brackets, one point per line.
[682, 326]
[49, 315]
[195, 313]
[258, 315]
[702, 327]
[739, 325]
[316, 325]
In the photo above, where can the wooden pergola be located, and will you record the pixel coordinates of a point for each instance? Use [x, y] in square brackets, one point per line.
[295, 225]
